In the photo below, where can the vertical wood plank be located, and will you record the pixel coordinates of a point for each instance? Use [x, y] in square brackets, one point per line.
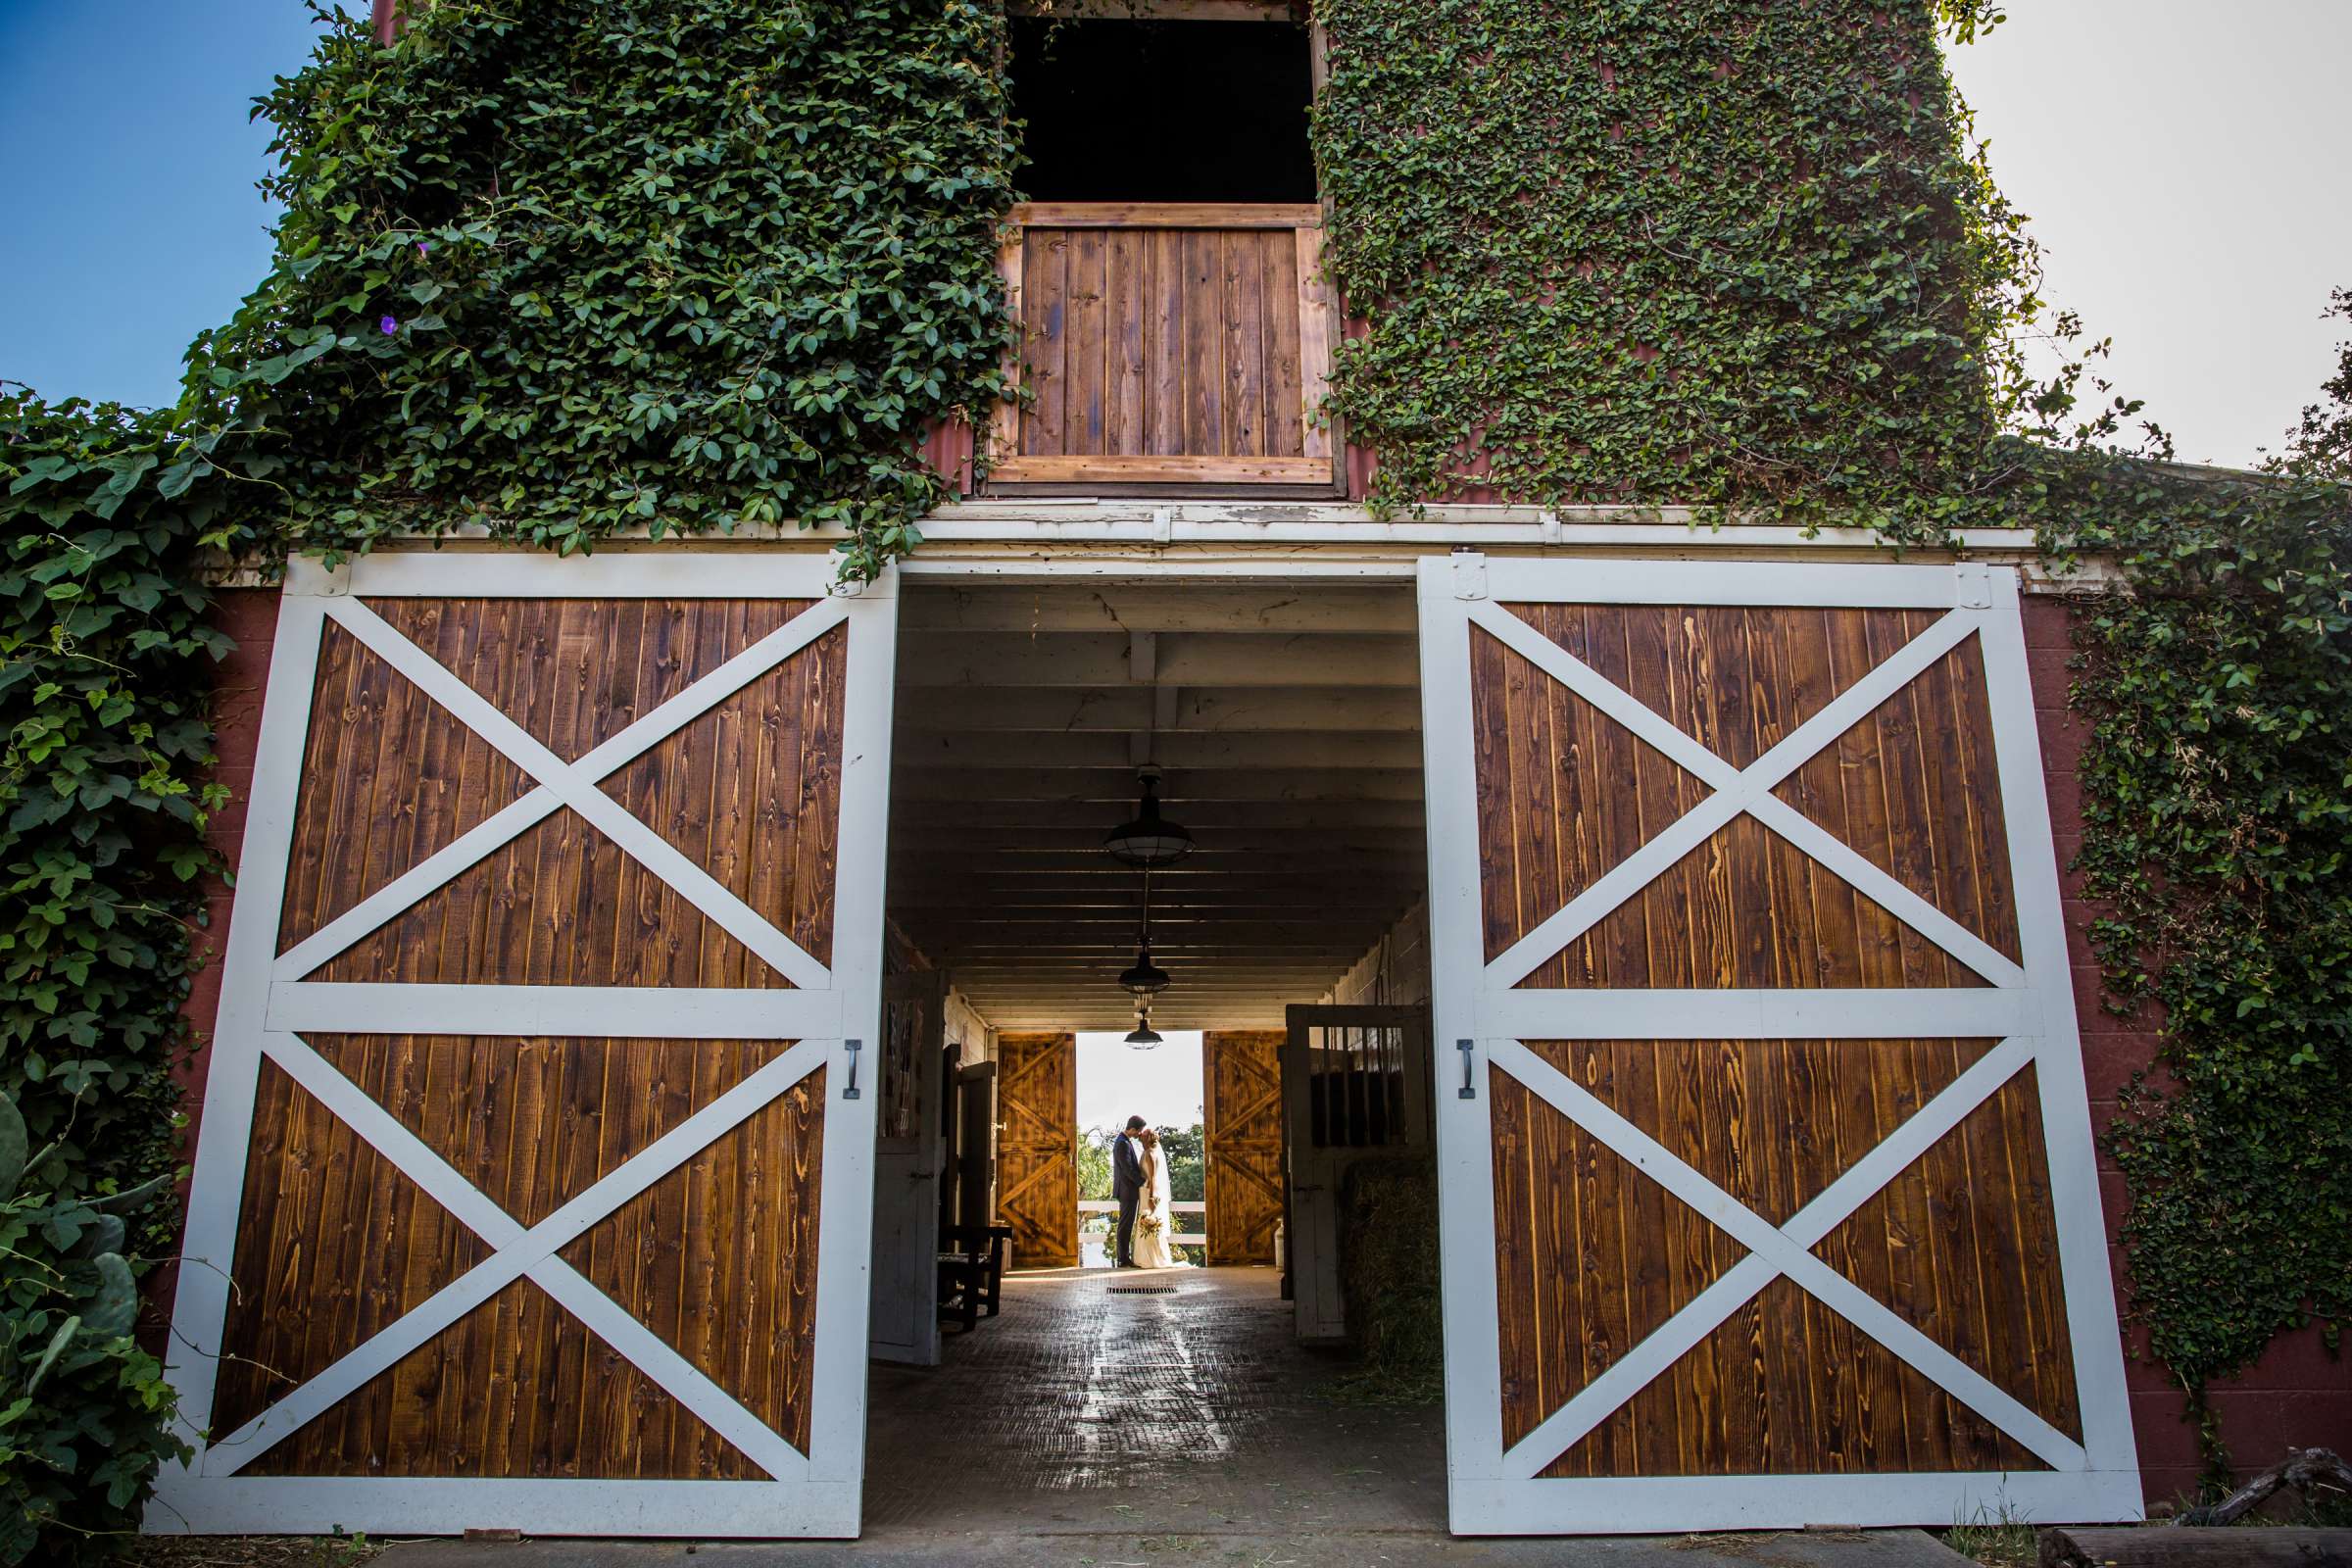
[1203, 342]
[1285, 393]
[1163, 343]
[1316, 330]
[1044, 280]
[1127, 282]
[1004, 419]
[1086, 346]
[1245, 414]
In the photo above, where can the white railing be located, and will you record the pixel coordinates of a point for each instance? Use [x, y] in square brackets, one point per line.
[1109, 1206]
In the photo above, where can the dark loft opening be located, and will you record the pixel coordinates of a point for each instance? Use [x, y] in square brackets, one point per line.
[1145, 110]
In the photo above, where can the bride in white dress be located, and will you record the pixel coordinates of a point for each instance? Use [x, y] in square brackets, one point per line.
[1156, 1222]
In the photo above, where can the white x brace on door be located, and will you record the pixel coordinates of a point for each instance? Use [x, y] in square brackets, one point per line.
[1767, 1191]
[576, 1241]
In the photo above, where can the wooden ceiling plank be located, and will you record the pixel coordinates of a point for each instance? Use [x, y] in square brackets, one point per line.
[1217, 709]
[1108, 790]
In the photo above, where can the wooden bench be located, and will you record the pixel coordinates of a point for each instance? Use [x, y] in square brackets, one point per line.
[971, 1270]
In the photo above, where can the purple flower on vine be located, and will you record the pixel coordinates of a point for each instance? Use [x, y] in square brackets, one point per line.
[422, 247]
[388, 324]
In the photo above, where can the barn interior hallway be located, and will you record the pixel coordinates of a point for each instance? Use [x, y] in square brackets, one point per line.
[1082, 1409]
[1283, 719]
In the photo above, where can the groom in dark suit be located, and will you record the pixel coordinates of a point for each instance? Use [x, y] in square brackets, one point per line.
[1127, 1185]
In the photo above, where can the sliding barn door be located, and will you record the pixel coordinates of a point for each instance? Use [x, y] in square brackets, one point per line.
[1037, 1147]
[1242, 1116]
[535, 1172]
[1766, 1165]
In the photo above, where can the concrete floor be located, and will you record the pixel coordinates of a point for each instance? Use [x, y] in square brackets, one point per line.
[1088, 1426]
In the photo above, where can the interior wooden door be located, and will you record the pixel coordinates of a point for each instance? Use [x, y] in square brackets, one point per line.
[1765, 1161]
[1037, 1147]
[534, 1181]
[903, 1324]
[1241, 1122]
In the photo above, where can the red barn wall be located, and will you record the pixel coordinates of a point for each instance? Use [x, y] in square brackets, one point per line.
[249, 615]
[2297, 1395]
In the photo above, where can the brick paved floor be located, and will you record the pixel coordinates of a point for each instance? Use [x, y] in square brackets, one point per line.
[1086, 1430]
[1078, 1410]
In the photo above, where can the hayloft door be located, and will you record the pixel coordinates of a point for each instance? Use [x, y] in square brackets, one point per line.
[1766, 1178]
[536, 1164]
[908, 1157]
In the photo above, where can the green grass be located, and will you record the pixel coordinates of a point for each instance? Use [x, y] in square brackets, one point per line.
[1999, 1539]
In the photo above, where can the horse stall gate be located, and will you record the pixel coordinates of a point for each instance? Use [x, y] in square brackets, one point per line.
[533, 1140]
[1355, 1089]
[1765, 1162]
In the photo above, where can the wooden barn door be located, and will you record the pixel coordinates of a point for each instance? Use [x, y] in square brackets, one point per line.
[1242, 1115]
[1037, 1147]
[535, 1172]
[1766, 1164]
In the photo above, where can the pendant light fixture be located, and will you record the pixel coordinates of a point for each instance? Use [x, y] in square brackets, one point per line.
[1146, 979]
[1150, 839]
[1144, 1036]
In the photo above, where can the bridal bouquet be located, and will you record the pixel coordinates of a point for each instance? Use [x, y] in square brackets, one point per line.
[1148, 1224]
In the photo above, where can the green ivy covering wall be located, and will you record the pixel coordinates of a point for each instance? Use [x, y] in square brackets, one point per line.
[1712, 252]
[2217, 788]
[106, 663]
[562, 269]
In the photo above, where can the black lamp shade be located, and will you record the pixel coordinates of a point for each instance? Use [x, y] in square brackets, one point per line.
[1145, 1036]
[1150, 839]
[1146, 979]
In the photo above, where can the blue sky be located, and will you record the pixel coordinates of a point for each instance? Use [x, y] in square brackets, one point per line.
[2178, 156]
[132, 221]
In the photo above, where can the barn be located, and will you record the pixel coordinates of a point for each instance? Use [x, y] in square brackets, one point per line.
[644, 964]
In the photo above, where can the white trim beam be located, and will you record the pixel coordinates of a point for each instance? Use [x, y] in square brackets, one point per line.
[647, 1012]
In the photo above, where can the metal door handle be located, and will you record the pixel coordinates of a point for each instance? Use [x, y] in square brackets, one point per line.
[849, 1090]
[1466, 1046]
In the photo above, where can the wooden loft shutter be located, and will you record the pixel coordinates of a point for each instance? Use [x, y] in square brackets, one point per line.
[1166, 345]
